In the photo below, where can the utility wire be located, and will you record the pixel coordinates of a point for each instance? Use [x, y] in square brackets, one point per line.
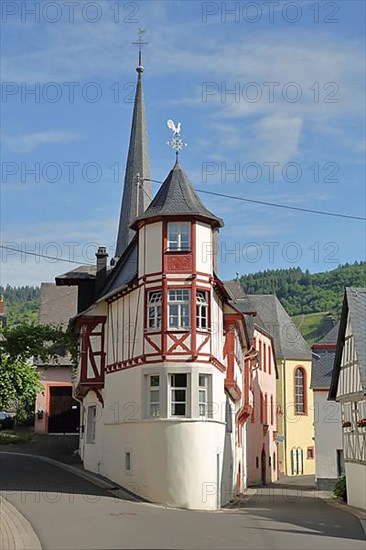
[287, 207]
[42, 255]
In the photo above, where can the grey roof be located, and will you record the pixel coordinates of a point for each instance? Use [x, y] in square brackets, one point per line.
[330, 338]
[323, 359]
[357, 310]
[288, 341]
[80, 272]
[322, 368]
[177, 196]
[138, 162]
[354, 308]
[123, 272]
[235, 289]
[58, 304]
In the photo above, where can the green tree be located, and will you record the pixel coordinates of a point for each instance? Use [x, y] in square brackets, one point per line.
[19, 347]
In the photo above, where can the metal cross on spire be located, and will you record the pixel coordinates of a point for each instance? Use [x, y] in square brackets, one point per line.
[140, 43]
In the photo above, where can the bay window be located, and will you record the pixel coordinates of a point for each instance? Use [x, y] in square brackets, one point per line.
[154, 310]
[202, 309]
[179, 237]
[179, 309]
[178, 394]
[203, 393]
[154, 395]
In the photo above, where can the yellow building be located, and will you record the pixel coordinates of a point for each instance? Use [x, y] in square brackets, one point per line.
[294, 397]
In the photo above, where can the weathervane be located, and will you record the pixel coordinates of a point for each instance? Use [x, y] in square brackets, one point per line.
[176, 142]
[140, 43]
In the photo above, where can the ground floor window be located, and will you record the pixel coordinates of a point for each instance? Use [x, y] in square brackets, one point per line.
[203, 394]
[154, 395]
[178, 394]
[297, 461]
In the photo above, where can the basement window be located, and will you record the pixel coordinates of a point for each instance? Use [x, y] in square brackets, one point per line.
[128, 461]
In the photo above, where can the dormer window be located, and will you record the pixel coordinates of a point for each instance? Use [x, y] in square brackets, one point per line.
[179, 237]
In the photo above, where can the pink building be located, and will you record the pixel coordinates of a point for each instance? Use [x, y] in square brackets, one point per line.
[262, 460]
[261, 408]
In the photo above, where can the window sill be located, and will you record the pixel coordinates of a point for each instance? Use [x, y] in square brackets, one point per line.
[172, 252]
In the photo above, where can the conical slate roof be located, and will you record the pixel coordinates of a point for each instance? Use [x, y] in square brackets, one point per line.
[135, 203]
[177, 196]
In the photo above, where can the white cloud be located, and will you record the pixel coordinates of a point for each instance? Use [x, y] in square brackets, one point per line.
[29, 142]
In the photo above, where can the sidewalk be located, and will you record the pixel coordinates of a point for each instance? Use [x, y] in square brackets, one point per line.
[16, 533]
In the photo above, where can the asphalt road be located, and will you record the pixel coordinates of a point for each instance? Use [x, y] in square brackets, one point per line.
[68, 512]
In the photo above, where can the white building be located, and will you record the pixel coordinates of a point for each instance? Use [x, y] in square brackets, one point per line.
[162, 349]
[329, 465]
[348, 387]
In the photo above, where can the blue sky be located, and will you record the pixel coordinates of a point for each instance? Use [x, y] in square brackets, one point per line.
[298, 76]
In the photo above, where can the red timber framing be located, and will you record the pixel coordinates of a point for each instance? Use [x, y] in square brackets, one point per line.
[179, 270]
[232, 324]
[91, 327]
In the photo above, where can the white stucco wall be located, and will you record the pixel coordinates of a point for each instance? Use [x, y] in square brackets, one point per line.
[356, 484]
[328, 435]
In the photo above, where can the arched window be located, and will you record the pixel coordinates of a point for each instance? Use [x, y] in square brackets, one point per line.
[300, 397]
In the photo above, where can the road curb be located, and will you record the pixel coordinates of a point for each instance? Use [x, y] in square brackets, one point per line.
[116, 490]
[16, 533]
[358, 513]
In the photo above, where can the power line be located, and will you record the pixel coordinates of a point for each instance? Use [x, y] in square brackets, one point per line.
[42, 255]
[287, 207]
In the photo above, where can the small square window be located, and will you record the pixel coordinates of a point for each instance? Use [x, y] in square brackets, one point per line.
[179, 237]
[310, 453]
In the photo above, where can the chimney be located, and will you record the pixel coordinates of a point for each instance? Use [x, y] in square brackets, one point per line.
[101, 274]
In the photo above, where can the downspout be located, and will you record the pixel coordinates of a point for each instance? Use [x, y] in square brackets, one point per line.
[284, 412]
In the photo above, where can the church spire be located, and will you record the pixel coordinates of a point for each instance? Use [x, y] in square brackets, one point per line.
[137, 186]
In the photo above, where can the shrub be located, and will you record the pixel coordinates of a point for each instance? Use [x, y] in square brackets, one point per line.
[340, 489]
[7, 423]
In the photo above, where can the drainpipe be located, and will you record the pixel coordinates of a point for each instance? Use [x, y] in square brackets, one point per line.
[284, 412]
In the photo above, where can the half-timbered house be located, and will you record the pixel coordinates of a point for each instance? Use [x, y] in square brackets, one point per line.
[161, 371]
[348, 387]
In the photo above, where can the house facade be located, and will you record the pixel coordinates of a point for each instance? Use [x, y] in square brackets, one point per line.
[261, 371]
[161, 374]
[348, 388]
[329, 464]
[294, 397]
[56, 411]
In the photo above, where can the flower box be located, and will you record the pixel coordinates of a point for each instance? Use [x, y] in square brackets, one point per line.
[361, 423]
[346, 424]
